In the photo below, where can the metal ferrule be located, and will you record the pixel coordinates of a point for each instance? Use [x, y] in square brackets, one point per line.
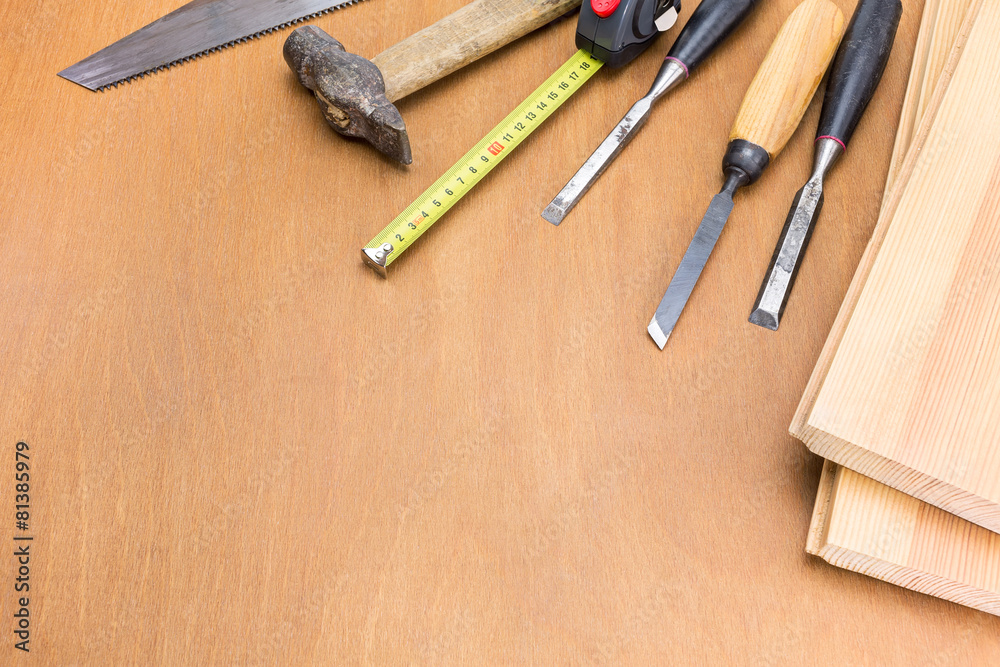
[670, 74]
[826, 153]
[745, 157]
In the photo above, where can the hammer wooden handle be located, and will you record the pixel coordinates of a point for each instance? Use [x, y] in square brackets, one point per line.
[460, 38]
[788, 77]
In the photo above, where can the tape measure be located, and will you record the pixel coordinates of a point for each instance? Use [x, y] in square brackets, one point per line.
[400, 234]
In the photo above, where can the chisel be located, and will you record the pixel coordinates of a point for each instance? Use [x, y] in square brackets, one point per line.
[771, 110]
[708, 27]
[857, 70]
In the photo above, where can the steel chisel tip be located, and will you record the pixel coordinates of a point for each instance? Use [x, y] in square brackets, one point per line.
[657, 334]
[693, 263]
[763, 318]
[554, 214]
[784, 266]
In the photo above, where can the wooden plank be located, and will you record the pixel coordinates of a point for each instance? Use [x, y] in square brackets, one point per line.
[940, 25]
[933, 445]
[242, 456]
[867, 527]
[949, 17]
[909, 116]
[911, 544]
[940, 28]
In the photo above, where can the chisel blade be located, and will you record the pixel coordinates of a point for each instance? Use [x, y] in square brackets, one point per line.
[598, 162]
[199, 27]
[691, 266]
[777, 285]
[670, 75]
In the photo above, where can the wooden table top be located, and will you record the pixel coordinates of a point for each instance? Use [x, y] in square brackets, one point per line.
[246, 447]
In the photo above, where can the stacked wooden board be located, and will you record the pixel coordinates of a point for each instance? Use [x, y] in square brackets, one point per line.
[934, 58]
[859, 523]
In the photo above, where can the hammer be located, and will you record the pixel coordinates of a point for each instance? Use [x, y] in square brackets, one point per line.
[357, 94]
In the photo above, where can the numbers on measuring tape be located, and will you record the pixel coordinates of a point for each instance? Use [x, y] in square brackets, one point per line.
[471, 168]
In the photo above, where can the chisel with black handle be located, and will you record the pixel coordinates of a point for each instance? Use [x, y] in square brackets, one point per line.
[856, 73]
[771, 110]
[708, 27]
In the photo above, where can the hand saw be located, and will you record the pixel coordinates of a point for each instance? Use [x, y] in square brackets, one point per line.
[197, 28]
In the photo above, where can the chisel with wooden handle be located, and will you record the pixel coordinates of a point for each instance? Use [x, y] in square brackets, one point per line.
[771, 110]
[857, 70]
[708, 27]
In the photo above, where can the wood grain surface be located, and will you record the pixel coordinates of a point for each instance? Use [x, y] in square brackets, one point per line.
[907, 398]
[948, 17]
[247, 448]
[940, 25]
[862, 525]
[910, 115]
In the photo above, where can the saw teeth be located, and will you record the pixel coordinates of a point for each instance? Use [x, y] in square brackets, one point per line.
[239, 40]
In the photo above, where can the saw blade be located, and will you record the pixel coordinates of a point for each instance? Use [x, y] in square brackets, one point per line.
[197, 28]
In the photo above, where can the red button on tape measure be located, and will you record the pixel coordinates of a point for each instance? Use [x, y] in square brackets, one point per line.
[604, 8]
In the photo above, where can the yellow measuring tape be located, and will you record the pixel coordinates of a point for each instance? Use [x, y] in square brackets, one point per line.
[390, 243]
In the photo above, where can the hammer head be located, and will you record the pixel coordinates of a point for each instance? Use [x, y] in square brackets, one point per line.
[350, 91]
